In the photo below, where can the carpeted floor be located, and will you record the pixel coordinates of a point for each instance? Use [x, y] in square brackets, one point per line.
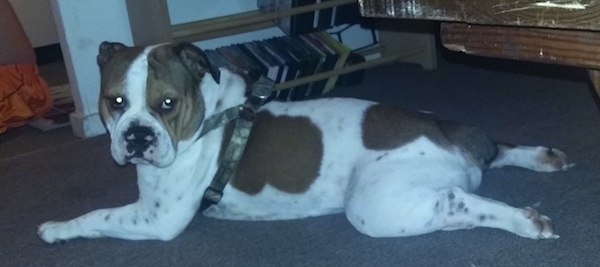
[515, 102]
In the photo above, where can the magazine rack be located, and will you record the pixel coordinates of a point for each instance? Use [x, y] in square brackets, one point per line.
[399, 40]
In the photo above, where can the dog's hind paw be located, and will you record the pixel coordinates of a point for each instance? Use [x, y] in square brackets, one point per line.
[552, 159]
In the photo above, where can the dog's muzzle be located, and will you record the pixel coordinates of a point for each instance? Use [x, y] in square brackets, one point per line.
[139, 139]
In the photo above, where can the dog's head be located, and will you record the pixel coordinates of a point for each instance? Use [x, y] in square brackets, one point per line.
[150, 100]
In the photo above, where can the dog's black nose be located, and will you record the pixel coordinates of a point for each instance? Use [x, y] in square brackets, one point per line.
[138, 139]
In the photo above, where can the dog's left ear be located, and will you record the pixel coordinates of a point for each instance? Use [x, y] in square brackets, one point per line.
[196, 60]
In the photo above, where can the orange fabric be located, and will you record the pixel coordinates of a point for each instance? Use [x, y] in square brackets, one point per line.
[23, 95]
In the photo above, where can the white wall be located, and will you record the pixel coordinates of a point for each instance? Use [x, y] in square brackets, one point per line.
[37, 20]
[182, 11]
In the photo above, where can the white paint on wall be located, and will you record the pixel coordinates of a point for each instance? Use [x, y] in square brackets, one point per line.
[572, 5]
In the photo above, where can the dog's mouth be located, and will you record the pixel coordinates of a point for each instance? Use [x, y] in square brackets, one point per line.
[140, 160]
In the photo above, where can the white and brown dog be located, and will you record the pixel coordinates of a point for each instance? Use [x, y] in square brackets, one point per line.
[393, 173]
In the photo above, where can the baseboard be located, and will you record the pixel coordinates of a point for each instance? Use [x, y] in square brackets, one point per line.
[86, 126]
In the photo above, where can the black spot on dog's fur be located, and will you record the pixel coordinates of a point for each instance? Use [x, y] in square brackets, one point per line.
[483, 217]
[380, 157]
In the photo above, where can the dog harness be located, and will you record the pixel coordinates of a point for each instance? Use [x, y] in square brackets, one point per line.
[243, 116]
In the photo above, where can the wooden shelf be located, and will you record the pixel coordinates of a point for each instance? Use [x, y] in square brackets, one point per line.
[406, 45]
[242, 22]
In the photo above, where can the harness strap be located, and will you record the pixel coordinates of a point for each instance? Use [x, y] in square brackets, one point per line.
[244, 116]
[219, 120]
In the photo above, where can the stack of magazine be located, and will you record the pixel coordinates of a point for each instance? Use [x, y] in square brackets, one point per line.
[285, 59]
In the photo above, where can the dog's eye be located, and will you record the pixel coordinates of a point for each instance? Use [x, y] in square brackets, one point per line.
[167, 104]
[118, 102]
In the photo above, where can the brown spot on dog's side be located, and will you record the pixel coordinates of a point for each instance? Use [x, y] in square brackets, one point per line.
[385, 127]
[284, 152]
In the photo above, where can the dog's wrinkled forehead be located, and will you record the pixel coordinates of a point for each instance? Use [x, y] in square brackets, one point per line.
[114, 60]
[158, 85]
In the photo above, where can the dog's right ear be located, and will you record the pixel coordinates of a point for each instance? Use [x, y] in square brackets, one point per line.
[106, 51]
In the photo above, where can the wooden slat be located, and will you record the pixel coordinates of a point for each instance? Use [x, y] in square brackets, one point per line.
[567, 14]
[235, 23]
[201, 36]
[567, 47]
[150, 21]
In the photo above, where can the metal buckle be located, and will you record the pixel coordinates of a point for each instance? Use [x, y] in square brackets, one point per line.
[263, 88]
[213, 195]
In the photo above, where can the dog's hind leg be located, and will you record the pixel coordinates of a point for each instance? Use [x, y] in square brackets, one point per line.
[541, 159]
[488, 153]
[421, 210]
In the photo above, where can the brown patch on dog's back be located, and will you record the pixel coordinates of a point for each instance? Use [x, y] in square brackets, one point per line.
[282, 151]
[385, 128]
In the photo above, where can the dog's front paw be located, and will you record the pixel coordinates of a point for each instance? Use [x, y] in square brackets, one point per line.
[55, 232]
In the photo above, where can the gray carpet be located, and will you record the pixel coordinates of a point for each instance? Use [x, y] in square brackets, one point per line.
[515, 102]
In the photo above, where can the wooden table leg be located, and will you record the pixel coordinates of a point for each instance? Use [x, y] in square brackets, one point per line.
[595, 77]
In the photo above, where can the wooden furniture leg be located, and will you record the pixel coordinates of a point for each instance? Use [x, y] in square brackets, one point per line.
[595, 77]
